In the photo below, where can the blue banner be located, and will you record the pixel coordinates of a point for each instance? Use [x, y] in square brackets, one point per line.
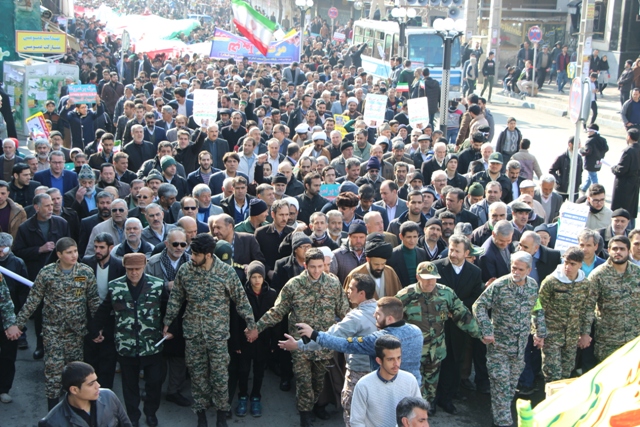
[226, 45]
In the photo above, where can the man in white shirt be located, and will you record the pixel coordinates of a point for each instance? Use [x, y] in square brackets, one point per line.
[248, 158]
[377, 394]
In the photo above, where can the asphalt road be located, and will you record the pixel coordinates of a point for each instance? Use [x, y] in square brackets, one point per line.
[548, 134]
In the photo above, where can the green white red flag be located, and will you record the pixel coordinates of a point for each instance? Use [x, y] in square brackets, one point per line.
[253, 25]
[402, 87]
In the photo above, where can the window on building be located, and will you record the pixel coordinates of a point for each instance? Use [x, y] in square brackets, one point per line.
[600, 19]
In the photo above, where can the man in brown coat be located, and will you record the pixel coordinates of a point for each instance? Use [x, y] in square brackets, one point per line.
[10, 222]
[377, 252]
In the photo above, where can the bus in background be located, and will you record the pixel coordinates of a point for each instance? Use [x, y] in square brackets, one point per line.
[424, 49]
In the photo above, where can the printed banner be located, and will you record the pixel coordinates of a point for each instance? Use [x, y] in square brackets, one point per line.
[82, 94]
[607, 395]
[41, 42]
[205, 106]
[374, 109]
[340, 122]
[330, 191]
[226, 45]
[573, 219]
[37, 126]
[418, 112]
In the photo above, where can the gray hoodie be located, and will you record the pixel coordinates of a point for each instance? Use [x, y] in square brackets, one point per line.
[358, 322]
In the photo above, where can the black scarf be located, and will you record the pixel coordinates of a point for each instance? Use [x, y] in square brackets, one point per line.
[169, 271]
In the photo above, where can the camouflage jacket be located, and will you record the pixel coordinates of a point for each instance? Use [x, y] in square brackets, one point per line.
[208, 294]
[564, 302]
[616, 299]
[7, 313]
[138, 325]
[66, 298]
[315, 303]
[514, 314]
[430, 311]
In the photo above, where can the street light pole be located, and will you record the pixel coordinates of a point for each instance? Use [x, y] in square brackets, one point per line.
[582, 72]
[444, 88]
[359, 5]
[449, 30]
[304, 6]
[402, 15]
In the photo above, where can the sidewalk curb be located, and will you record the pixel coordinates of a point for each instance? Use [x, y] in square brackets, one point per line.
[551, 107]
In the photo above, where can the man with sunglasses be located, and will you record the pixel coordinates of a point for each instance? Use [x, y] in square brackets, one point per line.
[113, 226]
[165, 265]
[145, 197]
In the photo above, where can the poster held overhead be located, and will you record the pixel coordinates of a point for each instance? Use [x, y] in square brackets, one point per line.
[418, 112]
[374, 109]
[205, 106]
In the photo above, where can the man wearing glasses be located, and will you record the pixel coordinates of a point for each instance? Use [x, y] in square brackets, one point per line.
[56, 176]
[189, 207]
[165, 266]
[145, 197]
[599, 215]
[113, 226]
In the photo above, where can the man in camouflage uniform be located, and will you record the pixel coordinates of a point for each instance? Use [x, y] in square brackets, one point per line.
[138, 301]
[515, 313]
[208, 285]
[8, 345]
[428, 305]
[69, 291]
[316, 298]
[563, 297]
[616, 294]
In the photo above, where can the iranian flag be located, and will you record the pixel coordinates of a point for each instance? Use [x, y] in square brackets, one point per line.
[254, 26]
[402, 87]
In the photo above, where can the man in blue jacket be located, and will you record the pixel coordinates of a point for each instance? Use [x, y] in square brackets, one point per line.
[81, 122]
[388, 315]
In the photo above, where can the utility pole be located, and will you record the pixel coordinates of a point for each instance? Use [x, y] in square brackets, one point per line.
[582, 72]
[495, 16]
[471, 15]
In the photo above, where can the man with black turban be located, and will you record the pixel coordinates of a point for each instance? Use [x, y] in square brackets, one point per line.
[377, 252]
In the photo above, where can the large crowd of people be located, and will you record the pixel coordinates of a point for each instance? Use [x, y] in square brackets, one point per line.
[197, 253]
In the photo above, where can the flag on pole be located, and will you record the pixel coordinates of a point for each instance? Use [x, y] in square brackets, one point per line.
[254, 26]
[402, 87]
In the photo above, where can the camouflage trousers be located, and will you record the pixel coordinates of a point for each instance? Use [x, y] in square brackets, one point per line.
[351, 378]
[60, 347]
[208, 365]
[559, 357]
[602, 350]
[504, 372]
[309, 380]
[430, 372]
